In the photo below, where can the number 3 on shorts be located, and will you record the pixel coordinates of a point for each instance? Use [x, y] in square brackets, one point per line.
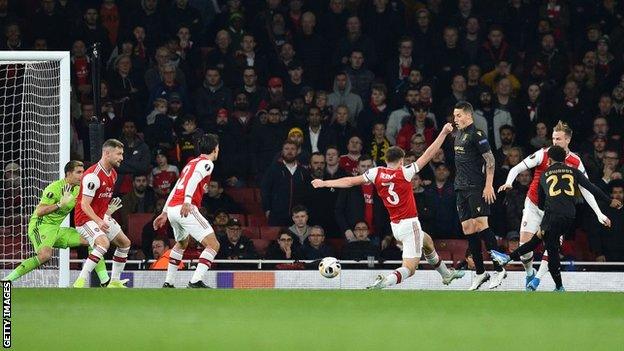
[394, 197]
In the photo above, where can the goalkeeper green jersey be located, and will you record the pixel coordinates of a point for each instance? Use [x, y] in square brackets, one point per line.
[52, 194]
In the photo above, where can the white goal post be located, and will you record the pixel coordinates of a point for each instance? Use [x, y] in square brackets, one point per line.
[42, 99]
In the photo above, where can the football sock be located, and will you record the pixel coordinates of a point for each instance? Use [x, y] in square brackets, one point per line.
[525, 248]
[119, 262]
[434, 260]
[100, 270]
[397, 276]
[474, 244]
[175, 257]
[94, 257]
[490, 244]
[527, 261]
[24, 267]
[543, 268]
[205, 261]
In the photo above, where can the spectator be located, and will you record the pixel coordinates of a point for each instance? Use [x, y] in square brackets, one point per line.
[553, 60]
[458, 93]
[376, 111]
[319, 198]
[279, 65]
[514, 203]
[215, 199]
[441, 195]
[300, 227]
[361, 202]
[160, 252]
[163, 176]
[212, 96]
[221, 219]
[359, 75]
[570, 108]
[140, 200]
[168, 86]
[507, 136]
[137, 154]
[266, 139]
[317, 137]
[423, 204]
[342, 128]
[594, 159]
[314, 248]
[285, 183]
[502, 69]
[188, 139]
[349, 161]
[234, 244]
[611, 170]
[91, 31]
[352, 40]
[255, 94]
[448, 59]
[495, 49]
[332, 159]
[311, 47]
[149, 234]
[489, 118]
[294, 82]
[343, 96]
[155, 74]
[151, 18]
[181, 13]
[285, 247]
[471, 39]
[233, 163]
[396, 117]
[361, 248]
[609, 242]
[417, 123]
[48, 24]
[379, 145]
[541, 138]
[383, 23]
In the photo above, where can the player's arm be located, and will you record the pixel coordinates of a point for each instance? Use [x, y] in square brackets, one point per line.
[589, 192]
[90, 184]
[53, 199]
[528, 163]
[345, 182]
[482, 144]
[424, 159]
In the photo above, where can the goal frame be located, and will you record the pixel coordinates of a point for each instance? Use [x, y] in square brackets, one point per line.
[64, 123]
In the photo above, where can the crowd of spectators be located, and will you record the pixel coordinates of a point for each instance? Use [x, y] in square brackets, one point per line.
[304, 89]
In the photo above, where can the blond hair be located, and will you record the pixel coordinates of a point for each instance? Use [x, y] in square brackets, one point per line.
[563, 127]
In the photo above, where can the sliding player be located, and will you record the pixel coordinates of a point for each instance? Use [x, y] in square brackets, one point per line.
[92, 222]
[182, 211]
[532, 215]
[44, 229]
[393, 184]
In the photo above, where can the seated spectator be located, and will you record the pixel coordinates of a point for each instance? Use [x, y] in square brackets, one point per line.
[285, 247]
[514, 203]
[542, 138]
[390, 249]
[160, 252]
[188, 139]
[611, 170]
[163, 176]
[314, 247]
[502, 69]
[140, 200]
[376, 111]
[441, 195]
[594, 159]
[361, 248]
[609, 243]
[423, 205]
[215, 199]
[300, 227]
[220, 221]
[416, 123]
[396, 117]
[235, 245]
[148, 234]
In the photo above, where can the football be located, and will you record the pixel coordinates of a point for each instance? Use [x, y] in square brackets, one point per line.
[329, 267]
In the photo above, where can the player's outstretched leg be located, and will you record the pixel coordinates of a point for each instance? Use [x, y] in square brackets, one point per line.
[554, 264]
[211, 247]
[174, 261]
[101, 245]
[119, 260]
[448, 275]
[397, 276]
[43, 255]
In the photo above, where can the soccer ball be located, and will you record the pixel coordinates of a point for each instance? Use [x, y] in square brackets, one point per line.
[329, 267]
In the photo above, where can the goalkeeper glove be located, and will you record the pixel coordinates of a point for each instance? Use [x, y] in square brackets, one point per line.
[66, 196]
[113, 206]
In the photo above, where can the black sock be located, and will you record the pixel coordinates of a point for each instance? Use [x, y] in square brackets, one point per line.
[527, 247]
[554, 265]
[490, 244]
[474, 244]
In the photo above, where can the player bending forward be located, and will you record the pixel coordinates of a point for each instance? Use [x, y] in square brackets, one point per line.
[182, 211]
[393, 184]
[92, 222]
[44, 229]
[558, 186]
[532, 215]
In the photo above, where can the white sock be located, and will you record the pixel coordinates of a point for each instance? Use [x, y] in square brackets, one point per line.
[205, 261]
[94, 257]
[543, 268]
[527, 261]
[119, 262]
[175, 257]
[397, 276]
[434, 260]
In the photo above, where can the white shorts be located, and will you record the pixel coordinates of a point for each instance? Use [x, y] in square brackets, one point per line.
[410, 234]
[89, 231]
[194, 224]
[531, 217]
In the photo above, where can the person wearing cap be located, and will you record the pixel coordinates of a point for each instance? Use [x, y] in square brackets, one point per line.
[276, 93]
[234, 244]
[211, 96]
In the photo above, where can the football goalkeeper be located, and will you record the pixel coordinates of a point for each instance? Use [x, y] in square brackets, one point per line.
[44, 229]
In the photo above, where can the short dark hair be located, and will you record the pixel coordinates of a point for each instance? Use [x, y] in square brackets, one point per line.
[207, 143]
[394, 154]
[112, 143]
[380, 87]
[464, 106]
[365, 157]
[616, 183]
[317, 153]
[137, 175]
[299, 208]
[508, 127]
[71, 165]
[165, 241]
[557, 153]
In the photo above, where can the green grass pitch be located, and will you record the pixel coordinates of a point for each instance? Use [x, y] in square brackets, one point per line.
[298, 320]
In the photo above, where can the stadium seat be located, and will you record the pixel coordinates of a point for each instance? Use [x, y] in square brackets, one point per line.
[261, 246]
[257, 220]
[254, 208]
[336, 244]
[269, 233]
[241, 218]
[241, 195]
[251, 232]
[456, 247]
[258, 195]
[136, 222]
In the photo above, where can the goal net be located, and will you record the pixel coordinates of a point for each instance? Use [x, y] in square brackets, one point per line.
[34, 146]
